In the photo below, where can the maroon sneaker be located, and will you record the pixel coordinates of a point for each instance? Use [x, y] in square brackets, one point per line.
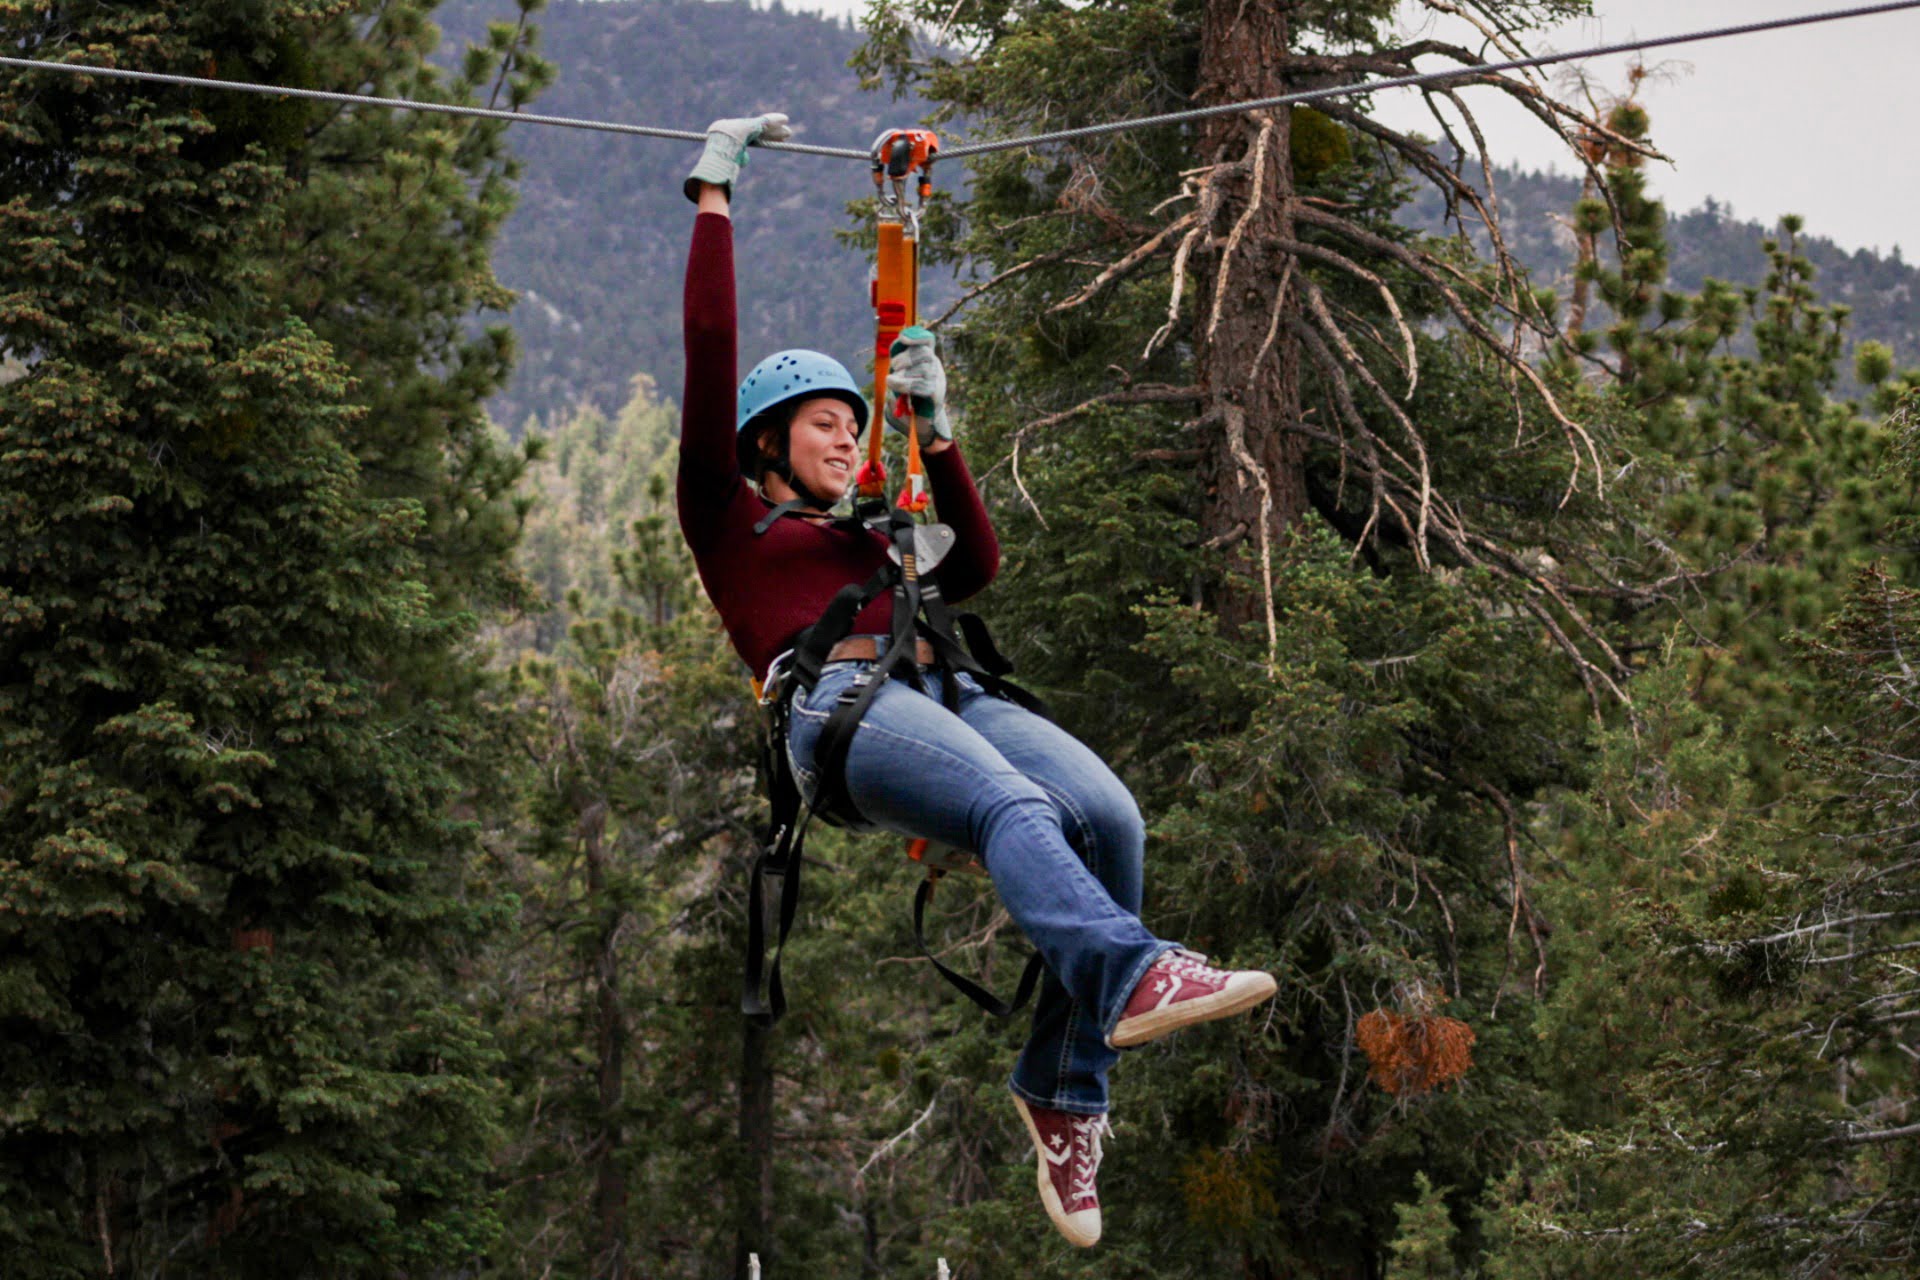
[1181, 988]
[1068, 1147]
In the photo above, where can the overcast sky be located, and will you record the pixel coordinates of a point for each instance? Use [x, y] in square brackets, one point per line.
[1820, 120]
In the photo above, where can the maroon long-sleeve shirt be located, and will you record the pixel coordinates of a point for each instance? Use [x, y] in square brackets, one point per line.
[768, 587]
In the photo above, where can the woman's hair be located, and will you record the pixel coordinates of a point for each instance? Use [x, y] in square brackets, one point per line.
[770, 444]
[763, 445]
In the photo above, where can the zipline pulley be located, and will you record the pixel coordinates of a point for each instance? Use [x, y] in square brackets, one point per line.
[899, 156]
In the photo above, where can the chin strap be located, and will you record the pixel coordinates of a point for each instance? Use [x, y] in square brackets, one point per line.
[805, 495]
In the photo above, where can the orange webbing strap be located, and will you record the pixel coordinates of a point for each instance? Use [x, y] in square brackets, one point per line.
[895, 307]
[939, 859]
[897, 155]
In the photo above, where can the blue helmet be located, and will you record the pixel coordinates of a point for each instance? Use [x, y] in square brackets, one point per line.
[783, 378]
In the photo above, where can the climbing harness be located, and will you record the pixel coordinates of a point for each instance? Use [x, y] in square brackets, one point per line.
[927, 634]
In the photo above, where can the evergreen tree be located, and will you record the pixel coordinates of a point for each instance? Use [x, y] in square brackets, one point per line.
[1734, 1026]
[582, 507]
[1754, 490]
[1728, 1029]
[1276, 509]
[385, 253]
[232, 856]
[635, 735]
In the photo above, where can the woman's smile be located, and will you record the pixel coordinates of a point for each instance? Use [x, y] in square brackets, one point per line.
[822, 445]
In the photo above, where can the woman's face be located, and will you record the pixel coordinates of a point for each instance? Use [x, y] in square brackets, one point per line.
[823, 445]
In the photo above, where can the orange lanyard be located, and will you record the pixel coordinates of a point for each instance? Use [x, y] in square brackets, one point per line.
[896, 304]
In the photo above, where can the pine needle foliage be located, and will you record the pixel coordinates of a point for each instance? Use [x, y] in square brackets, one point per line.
[1755, 490]
[1335, 730]
[1735, 1030]
[243, 514]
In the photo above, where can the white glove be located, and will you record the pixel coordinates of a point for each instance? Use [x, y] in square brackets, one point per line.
[914, 371]
[727, 143]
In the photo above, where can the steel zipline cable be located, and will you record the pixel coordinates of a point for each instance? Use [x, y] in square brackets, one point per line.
[1456, 75]
[1453, 75]
[408, 104]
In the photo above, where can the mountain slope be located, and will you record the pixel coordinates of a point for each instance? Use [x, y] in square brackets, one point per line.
[599, 240]
[1883, 290]
[597, 244]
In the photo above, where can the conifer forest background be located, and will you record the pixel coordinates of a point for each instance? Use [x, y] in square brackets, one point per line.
[1502, 610]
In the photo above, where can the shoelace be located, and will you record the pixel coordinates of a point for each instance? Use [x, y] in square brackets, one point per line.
[1087, 1133]
[1191, 964]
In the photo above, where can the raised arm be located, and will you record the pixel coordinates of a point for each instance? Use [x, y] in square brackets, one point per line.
[708, 469]
[709, 473]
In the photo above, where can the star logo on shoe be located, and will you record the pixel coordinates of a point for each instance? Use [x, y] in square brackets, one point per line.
[1069, 1149]
[1181, 989]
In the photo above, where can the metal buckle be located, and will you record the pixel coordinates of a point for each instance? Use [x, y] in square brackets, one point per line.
[771, 690]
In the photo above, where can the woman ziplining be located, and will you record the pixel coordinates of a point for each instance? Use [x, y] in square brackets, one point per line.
[888, 720]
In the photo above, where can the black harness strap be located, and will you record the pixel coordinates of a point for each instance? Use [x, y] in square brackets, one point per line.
[836, 736]
[918, 610]
[1029, 977]
[817, 641]
[781, 855]
[788, 507]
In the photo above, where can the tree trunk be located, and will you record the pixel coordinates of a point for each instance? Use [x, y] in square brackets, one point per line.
[754, 1186]
[610, 1047]
[1586, 251]
[1242, 43]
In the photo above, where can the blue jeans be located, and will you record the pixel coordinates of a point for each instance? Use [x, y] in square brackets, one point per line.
[1060, 836]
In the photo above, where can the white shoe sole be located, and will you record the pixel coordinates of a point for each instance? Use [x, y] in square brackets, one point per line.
[1246, 990]
[1082, 1228]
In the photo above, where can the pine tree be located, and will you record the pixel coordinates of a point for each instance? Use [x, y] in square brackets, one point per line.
[637, 805]
[232, 856]
[1280, 526]
[1734, 1023]
[1755, 491]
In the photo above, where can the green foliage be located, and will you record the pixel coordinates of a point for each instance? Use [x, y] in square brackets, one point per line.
[1423, 1247]
[1735, 1128]
[634, 732]
[1332, 798]
[594, 483]
[1762, 491]
[1318, 144]
[238, 734]
[1727, 894]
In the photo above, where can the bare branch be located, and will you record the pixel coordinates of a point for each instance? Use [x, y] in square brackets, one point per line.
[1125, 266]
[1318, 305]
[1352, 268]
[1020, 484]
[1236, 419]
[1019, 268]
[1254, 201]
[1856, 1137]
[898, 1138]
[1577, 436]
